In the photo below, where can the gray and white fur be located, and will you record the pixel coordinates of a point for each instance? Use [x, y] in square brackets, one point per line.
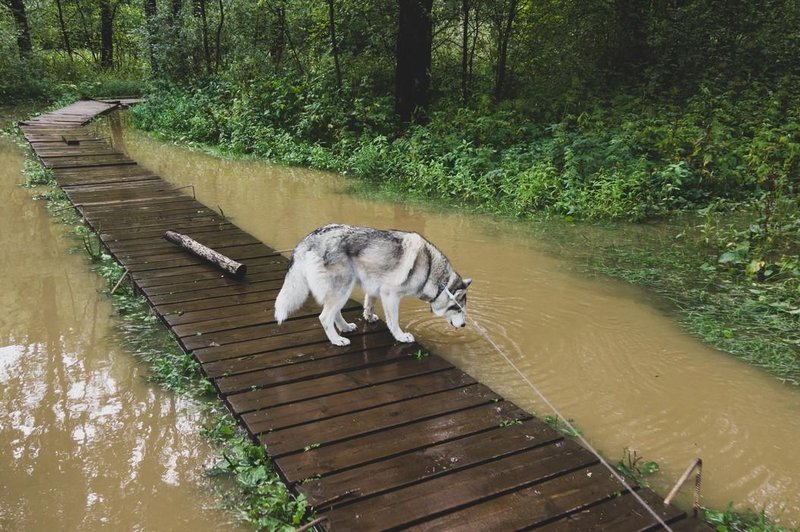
[391, 264]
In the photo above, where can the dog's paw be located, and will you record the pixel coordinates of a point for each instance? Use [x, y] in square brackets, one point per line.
[404, 337]
[370, 317]
[349, 327]
[340, 341]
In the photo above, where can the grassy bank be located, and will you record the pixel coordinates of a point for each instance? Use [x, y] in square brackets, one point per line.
[720, 171]
[248, 485]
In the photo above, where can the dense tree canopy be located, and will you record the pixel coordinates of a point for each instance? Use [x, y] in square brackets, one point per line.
[503, 49]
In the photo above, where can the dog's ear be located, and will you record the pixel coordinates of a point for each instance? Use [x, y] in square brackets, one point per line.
[467, 282]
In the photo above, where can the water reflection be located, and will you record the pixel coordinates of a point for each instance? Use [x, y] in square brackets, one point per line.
[600, 350]
[84, 441]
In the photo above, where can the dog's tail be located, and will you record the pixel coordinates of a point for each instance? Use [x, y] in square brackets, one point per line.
[293, 293]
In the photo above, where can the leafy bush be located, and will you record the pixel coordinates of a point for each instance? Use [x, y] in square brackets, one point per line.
[619, 159]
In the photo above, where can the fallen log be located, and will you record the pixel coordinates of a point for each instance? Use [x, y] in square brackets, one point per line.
[217, 259]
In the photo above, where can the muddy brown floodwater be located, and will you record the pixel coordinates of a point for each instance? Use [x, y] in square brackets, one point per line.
[85, 442]
[600, 350]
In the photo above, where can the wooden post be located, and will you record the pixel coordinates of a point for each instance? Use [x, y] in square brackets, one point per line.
[217, 259]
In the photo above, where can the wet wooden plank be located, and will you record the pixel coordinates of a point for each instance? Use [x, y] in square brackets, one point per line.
[126, 200]
[39, 137]
[123, 202]
[242, 251]
[101, 175]
[265, 298]
[254, 311]
[435, 461]
[307, 411]
[81, 162]
[204, 223]
[623, 513]
[55, 142]
[218, 240]
[262, 265]
[262, 314]
[263, 345]
[532, 506]
[167, 204]
[313, 369]
[230, 290]
[378, 419]
[254, 332]
[109, 189]
[220, 281]
[65, 150]
[171, 275]
[406, 506]
[190, 260]
[351, 380]
[297, 355]
[328, 459]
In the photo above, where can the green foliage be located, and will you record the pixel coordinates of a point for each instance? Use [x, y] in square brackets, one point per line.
[555, 423]
[36, 174]
[634, 467]
[419, 354]
[730, 520]
[625, 159]
[263, 500]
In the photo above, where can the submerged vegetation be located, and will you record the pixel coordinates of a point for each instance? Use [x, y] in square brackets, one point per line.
[250, 487]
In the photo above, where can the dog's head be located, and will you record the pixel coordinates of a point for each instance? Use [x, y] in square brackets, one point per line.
[451, 302]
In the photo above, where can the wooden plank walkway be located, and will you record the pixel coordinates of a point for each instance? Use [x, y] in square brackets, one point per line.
[374, 437]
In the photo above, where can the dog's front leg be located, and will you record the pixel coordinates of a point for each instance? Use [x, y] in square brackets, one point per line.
[391, 306]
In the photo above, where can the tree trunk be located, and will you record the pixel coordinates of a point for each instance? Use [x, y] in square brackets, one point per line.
[632, 50]
[88, 36]
[23, 30]
[150, 10]
[334, 44]
[200, 12]
[413, 69]
[502, 50]
[218, 39]
[63, 26]
[176, 9]
[278, 43]
[476, 20]
[106, 35]
[465, 52]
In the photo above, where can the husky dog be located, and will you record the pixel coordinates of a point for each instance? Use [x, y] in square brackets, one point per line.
[390, 264]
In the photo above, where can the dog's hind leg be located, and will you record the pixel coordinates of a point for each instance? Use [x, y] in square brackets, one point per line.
[343, 324]
[369, 306]
[391, 307]
[331, 314]
[330, 310]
